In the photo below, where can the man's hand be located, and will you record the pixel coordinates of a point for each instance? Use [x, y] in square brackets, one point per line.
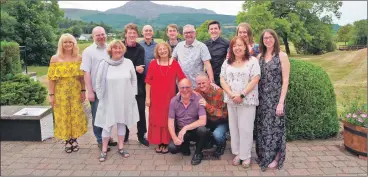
[203, 102]
[177, 141]
[91, 96]
[181, 134]
[139, 69]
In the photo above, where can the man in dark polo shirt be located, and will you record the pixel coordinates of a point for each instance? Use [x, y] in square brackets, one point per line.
[187, 121]
[172, 33]
[135, 52]
[217, 46]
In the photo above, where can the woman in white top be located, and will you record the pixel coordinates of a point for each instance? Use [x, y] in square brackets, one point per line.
[116, 87]
[239, 78]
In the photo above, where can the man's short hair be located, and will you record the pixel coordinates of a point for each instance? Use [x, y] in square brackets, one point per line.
[172, 26]
[189, 26]
[131, 26]
[202, 74]
[213, 22]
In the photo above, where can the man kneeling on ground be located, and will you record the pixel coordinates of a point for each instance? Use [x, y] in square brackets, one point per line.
[187, 120]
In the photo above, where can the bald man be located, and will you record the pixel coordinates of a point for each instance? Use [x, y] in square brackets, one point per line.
[187, 121]
[91, 58]
[148, 44]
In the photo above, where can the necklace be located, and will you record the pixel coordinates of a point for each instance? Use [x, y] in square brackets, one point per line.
[167, 70]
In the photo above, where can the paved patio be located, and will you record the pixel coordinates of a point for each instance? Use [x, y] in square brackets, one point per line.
[316, 158]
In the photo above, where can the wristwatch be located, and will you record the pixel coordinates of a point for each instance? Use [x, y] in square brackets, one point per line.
[242, 96]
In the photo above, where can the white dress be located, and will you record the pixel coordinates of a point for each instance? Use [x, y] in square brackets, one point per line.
[119, 104]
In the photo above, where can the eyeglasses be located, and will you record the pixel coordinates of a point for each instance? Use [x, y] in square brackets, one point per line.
[188, 32]
[268, 38]
[185, 87]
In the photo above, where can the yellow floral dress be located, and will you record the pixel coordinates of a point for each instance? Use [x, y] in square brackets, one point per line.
[69, 116]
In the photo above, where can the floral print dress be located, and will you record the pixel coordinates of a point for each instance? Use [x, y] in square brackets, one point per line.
[69, 116]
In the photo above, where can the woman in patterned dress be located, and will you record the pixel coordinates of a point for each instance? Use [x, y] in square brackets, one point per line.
[270, 119]
[239, 78]
[67, 93]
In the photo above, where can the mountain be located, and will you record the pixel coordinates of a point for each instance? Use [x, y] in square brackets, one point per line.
[76, 14]
[150, 10]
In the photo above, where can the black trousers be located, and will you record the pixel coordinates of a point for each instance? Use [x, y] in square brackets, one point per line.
[199, 135]
[141, 125]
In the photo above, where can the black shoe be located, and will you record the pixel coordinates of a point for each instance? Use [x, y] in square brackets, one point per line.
[100, 147]
[112, 142]
[126, 138]
[185, 152]
[197, 158]
[220, 149]
[143, 141]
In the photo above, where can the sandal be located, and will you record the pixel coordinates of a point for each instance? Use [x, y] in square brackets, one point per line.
[70, 148]
[75, 148]
[103, 157]
[165, 149]
[159, 148]
[236, 161]
[246, 163]
[123, 153]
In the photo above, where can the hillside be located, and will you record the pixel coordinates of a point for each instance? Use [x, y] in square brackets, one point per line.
[150, 10]
[76, 14]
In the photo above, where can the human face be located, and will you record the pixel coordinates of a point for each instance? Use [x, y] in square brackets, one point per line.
[239, 48]
[189, 35]
[268, 40]
[172, 33]
[203, 83]
[116, 52]
[100, 36]
[185, 89]
[68, 45]
[242, 32]
[147, 32]
[163, 51]
[214, 31]
[131, 36]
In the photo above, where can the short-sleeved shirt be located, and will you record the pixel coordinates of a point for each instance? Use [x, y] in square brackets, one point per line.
[185, 116]
[239, 78]
[91, 58]
[191, 58]
[218, 50]
[149, 50]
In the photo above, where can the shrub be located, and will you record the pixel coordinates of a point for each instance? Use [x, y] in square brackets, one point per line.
[10, 58]
[22, 90]
[311, 103]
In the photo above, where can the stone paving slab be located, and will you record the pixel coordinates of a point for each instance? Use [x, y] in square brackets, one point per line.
[311, 158]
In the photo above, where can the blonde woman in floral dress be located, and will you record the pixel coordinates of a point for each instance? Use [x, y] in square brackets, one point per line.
[67, 93]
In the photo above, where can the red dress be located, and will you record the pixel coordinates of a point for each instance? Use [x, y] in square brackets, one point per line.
[163, 87]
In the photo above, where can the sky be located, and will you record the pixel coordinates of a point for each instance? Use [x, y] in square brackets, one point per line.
[351, 10]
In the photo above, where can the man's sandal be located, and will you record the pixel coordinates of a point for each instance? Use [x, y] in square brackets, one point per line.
[123, 153]
[103, 157]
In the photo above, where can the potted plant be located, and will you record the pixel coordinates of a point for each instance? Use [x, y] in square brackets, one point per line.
[355, 122]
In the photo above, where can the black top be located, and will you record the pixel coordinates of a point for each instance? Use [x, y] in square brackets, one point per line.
[218, 50]
[136, 54]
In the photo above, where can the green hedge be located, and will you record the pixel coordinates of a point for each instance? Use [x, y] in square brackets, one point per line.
[10, 58]
[311, 103]
[22, 90]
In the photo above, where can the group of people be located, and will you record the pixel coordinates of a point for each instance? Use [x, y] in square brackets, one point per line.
[194, 91]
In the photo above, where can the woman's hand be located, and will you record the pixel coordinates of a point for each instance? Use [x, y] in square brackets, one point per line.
[82, 97]
[52, 100]
[237, 99]
[280, 110]
[148, 102]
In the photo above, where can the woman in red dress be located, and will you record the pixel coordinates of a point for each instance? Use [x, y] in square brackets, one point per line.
[162, 74]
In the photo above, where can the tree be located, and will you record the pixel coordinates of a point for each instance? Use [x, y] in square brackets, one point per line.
[344, 33]
[36, 27]
[7, 30]
[360, 32]
[290, 19]
[202, 31]
[76, 31]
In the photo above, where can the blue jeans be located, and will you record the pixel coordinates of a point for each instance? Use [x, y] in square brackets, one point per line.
[96, 130]
[219, 132]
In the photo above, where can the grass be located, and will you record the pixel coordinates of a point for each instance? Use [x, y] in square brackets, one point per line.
[40, 70]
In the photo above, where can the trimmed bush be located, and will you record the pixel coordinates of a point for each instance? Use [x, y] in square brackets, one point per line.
[10, 58]
[22, 90]
[311, 103]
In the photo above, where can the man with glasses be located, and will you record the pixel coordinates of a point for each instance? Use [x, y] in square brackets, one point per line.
[193, 55]
[216, 109]
[187, 120]
[91, 58]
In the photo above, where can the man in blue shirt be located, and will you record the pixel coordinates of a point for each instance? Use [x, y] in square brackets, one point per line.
[149, 46]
